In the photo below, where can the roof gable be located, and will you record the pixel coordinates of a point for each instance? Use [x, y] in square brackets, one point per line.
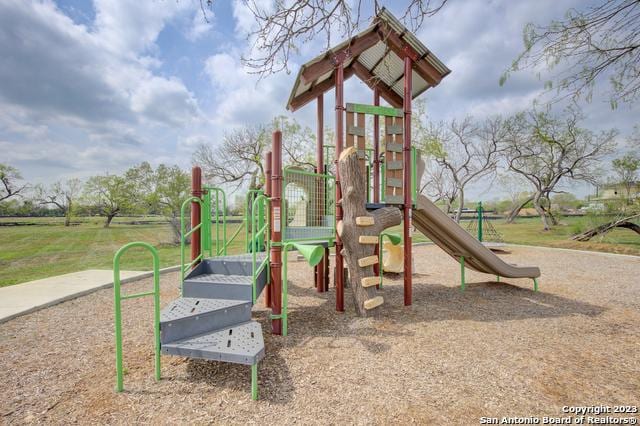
[375, 56]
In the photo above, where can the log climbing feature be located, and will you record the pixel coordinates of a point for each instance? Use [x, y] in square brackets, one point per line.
[357, 223]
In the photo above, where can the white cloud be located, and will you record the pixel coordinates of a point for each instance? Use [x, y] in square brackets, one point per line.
[66, 84]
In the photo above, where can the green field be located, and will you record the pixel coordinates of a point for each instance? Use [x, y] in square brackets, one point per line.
[46, 248]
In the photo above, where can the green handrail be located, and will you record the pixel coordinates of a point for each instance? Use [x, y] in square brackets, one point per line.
[255, 236]
[118, 297]
[183, 237]
[221, 244]
[251, 195]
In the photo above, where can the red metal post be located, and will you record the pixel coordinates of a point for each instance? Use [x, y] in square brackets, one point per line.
[196, 214]
[319, 269]
[339, 278]
[276, 231]
[267, 192]
[406, 149]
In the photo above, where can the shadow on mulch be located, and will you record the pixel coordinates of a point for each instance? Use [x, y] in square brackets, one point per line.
[481, 301]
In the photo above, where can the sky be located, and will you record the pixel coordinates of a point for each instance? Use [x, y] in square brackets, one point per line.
[90, 87]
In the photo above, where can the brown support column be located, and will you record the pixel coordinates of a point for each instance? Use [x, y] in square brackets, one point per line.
[196, 191]
[276, 231]
[319, 269]
[267, 191]
[339, 278]
[406, 149]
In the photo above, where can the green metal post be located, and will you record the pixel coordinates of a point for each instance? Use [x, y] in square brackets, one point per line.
[462, 283]
[285, 290]
[497, 278]
[254, 382]
[118, 308]
[535, 284]
[480, 213]
[414, 175]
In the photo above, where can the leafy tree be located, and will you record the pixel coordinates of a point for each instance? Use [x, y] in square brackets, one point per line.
[591, 45]
[110, 195]
[63, 195]
[547, 151]
[462, 152]
[9, 177]
[239, 160]
[626, 172]
[162, 190]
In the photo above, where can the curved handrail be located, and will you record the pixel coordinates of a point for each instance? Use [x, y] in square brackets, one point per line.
[118, 297]
[220, 249]
[255, 234]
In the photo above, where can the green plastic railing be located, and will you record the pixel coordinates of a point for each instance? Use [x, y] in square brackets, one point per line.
[326, 178]
[118, 298]
[251, 196]
[220, 226]
[256, 235]
[183, 238]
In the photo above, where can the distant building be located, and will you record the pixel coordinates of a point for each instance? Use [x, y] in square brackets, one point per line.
[616, 192]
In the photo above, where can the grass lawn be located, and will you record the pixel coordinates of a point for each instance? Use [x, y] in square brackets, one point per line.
[47, 248]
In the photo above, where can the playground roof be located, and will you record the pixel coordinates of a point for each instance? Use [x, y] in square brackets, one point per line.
[376, 56]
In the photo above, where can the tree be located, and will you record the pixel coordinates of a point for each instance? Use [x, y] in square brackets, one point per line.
[548, 150]
[626, 171]
[110, 195]
[239, 160]
[465, 152]
[591, 45]
[9, 176]
[515, 186]
[162, 190]
[281, 28]
[61, 194]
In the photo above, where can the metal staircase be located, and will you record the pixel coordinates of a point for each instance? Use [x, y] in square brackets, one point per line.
[212, 318]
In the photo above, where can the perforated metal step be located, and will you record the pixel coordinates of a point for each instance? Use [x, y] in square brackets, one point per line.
[188, 316]
[241, 344]
[225, 277]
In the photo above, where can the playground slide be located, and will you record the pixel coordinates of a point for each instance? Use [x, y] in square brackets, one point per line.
[457, 242]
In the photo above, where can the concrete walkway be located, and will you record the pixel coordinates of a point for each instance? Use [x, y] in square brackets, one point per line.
[20, 299]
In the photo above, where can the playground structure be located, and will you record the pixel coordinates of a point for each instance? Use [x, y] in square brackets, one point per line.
[310, 211]
[482, 227]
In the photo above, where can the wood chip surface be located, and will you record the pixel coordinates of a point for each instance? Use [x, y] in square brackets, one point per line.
[498, 349]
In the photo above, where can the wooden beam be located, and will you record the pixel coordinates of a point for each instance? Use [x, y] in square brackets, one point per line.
[422, 66]
[374, 302]
[315, 91]
[365, 221]
[355, 48]
[370, 281]
[368, 261]
[372, 81]
[368, 239]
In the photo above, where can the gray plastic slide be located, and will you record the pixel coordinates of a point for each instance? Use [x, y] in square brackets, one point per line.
[457, 242]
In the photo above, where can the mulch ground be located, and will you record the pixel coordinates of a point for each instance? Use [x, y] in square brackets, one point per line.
[498, 349]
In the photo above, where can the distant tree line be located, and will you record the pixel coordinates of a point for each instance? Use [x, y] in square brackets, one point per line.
[139, 190]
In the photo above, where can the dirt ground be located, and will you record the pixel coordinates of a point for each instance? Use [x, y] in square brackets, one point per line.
[498, 349]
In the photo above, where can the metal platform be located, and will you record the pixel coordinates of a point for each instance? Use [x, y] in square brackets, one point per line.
[240, 344]
[225, 277]
[187, 316]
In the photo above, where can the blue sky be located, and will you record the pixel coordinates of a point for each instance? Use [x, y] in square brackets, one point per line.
[93, 87]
